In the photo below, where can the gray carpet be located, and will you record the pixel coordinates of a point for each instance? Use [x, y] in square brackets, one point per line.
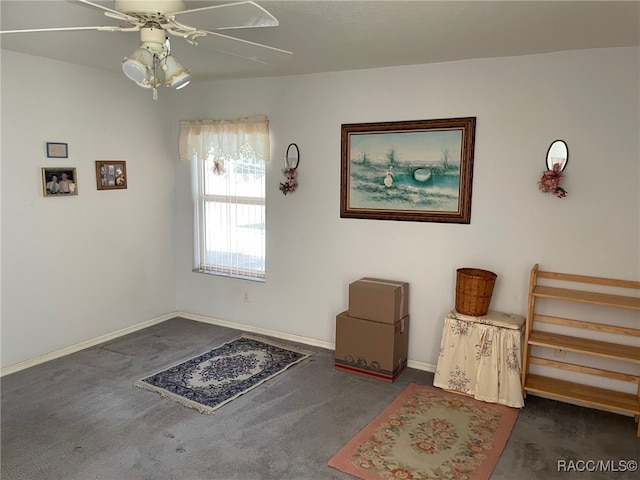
[80, 418]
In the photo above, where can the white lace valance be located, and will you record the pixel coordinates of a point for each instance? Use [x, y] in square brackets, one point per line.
[227, 138]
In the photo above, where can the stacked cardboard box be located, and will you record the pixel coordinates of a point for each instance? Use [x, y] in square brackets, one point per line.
[372, 337]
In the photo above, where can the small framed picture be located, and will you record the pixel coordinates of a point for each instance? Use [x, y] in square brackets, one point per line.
[111, 174]
[59, 182]
[57, 150]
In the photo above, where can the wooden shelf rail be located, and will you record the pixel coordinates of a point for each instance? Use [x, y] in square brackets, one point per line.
[590, 396]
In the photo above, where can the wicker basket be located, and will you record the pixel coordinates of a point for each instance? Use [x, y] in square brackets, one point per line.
[474, 288]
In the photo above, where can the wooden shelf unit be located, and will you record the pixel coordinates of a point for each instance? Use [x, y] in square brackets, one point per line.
[596, 397]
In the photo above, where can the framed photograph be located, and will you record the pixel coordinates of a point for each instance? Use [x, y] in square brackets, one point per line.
[417, 171]
[111, 174]
[59, 182]
[57, 150]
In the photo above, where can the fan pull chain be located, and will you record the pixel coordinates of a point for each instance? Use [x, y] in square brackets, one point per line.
[155, 76]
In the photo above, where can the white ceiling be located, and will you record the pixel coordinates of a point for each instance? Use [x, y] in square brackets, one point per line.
[342, 35]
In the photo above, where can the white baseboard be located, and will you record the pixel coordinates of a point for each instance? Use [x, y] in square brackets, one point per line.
[16, 367]
[427, 367]
[261, 331]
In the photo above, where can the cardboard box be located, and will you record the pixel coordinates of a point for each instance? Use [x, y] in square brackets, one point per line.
[379, 300]
[371, 348]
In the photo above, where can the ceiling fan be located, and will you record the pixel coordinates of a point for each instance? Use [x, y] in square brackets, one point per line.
[153, 64]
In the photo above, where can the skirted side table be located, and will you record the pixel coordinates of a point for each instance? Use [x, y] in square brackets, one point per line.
[482, 357]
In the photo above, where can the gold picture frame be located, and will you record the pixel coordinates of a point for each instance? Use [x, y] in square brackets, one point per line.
[59, 182]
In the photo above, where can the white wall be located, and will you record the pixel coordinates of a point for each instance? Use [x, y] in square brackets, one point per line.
[76, 268]
[588, 98]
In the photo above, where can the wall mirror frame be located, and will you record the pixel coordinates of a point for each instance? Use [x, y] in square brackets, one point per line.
[292, 157]
[558, 153]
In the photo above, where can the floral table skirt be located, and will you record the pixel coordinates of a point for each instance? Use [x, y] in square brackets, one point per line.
[482, 357]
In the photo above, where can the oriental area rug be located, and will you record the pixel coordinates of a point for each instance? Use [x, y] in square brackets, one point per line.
[210, 380]
[427, 433]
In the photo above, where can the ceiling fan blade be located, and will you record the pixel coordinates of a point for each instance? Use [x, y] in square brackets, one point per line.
[109, 12]
[227, 16]
[256, 52]
[103, 28]
[62, 15]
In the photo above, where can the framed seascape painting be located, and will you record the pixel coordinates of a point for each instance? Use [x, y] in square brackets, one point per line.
[418, 170]
[59, 182]
[111, 174]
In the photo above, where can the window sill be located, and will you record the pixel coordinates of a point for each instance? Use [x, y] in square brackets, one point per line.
[219, 273]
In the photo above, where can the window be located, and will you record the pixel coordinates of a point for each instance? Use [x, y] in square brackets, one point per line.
[229, 163]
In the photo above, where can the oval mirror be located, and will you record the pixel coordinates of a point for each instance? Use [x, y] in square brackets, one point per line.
[558, 153]
[292, 158]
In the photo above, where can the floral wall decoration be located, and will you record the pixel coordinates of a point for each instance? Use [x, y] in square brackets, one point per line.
[550, 182]
[291, 162]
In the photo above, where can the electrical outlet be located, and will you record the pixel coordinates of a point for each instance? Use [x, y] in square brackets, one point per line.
[559, 353]
[246, 297]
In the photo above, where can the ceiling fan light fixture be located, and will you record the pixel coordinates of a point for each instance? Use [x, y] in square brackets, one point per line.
[148, 83]
[175, 75]
[181, 81]
[152, 64]
[138, 67]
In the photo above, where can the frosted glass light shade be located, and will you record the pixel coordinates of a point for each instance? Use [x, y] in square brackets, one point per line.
[175, 75]
[138, 66]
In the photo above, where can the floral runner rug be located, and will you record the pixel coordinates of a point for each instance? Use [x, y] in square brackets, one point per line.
[427, 433]
[210, 380]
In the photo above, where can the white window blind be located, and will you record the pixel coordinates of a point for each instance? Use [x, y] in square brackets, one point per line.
[229, 160]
